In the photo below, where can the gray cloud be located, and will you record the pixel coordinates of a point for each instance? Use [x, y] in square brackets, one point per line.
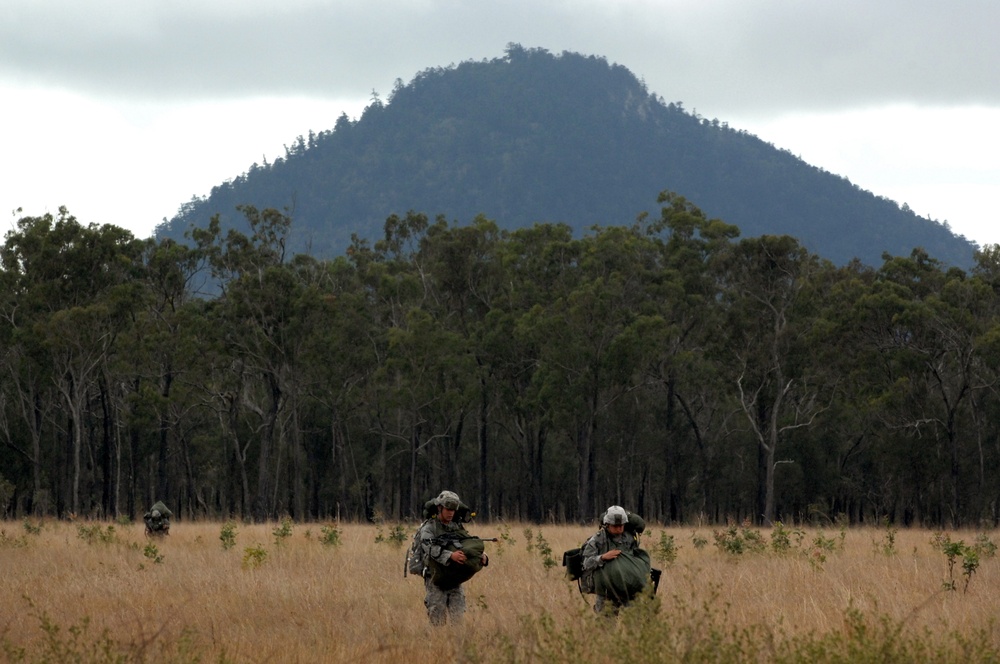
[727, 57]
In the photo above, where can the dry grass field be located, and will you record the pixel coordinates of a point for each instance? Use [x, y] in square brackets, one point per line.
[102, 592]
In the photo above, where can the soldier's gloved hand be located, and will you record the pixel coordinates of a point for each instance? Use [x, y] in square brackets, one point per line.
[486, 560]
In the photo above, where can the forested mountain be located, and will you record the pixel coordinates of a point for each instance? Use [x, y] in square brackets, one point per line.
[534, 137]
[664, 363]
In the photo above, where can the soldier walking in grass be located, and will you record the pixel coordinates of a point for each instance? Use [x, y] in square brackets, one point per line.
[446, 556]
[618, 567]
[157, 520]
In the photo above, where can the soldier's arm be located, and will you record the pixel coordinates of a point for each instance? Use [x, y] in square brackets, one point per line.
[592, 554]
[433, 547]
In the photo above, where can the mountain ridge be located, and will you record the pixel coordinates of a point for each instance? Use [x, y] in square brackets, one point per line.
[533, 137]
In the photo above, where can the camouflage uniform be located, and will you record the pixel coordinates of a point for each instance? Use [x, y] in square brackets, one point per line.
[599, 544]
[441, 604]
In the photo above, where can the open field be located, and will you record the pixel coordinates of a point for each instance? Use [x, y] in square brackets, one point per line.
[96, 592]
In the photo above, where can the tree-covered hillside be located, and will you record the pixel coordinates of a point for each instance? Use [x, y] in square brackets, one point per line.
[534, 137]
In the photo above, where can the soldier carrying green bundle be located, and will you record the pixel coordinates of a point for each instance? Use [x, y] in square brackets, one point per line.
[157, 520]
[446, 556]
[611, 564]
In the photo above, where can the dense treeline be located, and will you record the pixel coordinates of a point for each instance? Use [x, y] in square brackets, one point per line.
[668, 366]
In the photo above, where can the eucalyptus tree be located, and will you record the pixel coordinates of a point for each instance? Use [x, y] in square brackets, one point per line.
[464, 280]
[769, 307]
[635, 453]
[590, 358]
[962, 316]
[257, 311]
[687, 391]
[538, 266]
[339, 358]
[843, 339]
[76, 288]
[423, 390]
[986, 402]
[162, 351]
[389, 274]
[27, 401]
[939, 322]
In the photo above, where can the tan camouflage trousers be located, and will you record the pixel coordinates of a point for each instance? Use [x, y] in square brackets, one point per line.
[444, 605]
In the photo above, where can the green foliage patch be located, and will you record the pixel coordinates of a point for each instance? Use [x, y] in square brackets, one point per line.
[330, 535]
[970, 557]
[95, 534]
[254, 556]
[77, 643]
[396, 537]
[227, 535]
[700, 630]
[282, 531]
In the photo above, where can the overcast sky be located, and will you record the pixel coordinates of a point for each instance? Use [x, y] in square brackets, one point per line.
[122, 111]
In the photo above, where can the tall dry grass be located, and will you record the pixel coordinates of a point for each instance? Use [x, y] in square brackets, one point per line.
[64, 597]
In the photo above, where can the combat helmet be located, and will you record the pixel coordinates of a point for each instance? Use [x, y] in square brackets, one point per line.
[615, 516]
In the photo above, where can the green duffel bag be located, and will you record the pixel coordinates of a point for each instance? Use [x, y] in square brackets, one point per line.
[452, 575]
[161, 508]
[624, 577]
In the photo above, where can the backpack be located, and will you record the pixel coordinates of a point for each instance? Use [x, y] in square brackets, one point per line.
[415, 563]
[573, 562]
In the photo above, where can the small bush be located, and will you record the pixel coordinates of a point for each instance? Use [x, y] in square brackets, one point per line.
[665, 549]
[545, 551]
[254, 556]
[397, 536]
[781, 540]
[96, 535]
[953, 551]
[152, 553]
[887, 545]
[282, 531]
[228, 535]
[330, 535]
[737, 540]
[505, 539]
[11, 541]
[984, 546]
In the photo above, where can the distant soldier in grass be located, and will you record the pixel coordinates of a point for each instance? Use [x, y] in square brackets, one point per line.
[619, 569]
[157, 520]
[446, 556]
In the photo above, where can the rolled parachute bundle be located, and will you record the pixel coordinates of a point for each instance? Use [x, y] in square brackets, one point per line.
[455, 574]
[161, 508]
[623, 577]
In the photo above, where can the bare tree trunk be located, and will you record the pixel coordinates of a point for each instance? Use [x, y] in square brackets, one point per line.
[484, 452]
